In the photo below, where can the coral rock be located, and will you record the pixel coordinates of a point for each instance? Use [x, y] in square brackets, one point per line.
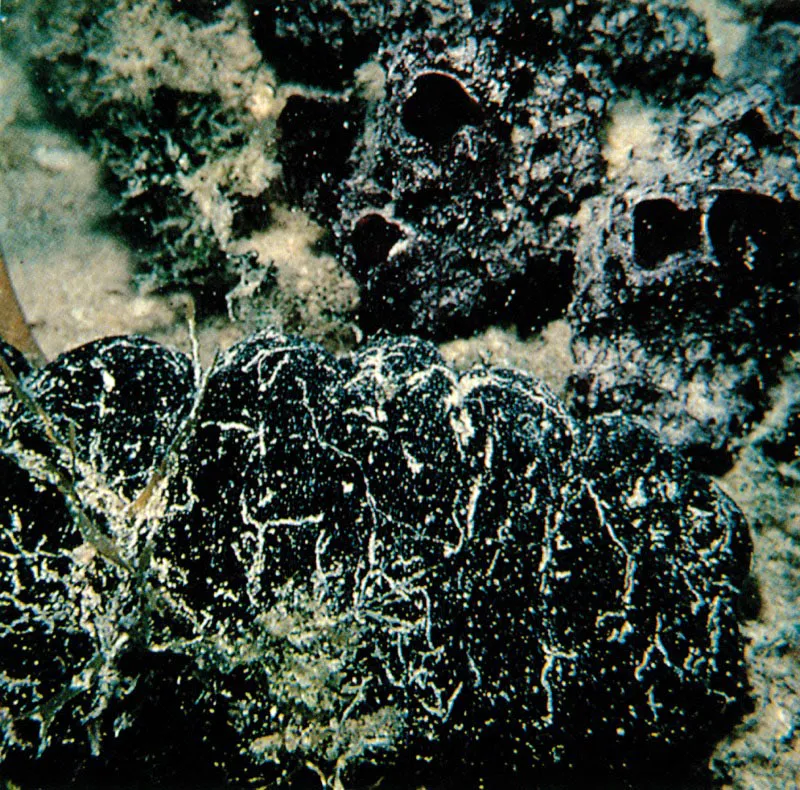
[687, 279]
[464, 181]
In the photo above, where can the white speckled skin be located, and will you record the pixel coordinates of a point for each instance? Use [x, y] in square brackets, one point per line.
[417, 553]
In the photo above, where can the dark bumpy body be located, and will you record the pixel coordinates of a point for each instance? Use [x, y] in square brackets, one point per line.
[312, 561]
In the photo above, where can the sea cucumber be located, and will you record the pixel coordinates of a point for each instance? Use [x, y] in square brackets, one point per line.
[342, 563]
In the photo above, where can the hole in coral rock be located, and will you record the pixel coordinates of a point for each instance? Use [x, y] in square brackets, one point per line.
[250, 214]
[744, 229]
[660, 229]
[438, 107]
[373, 237]
[754, 126]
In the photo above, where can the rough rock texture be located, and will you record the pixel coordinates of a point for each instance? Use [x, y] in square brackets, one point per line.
[452, 204]
[686, 297]
[660, 35]
[478, 147]
[180, 107]
[771, 55]
[765, 482]
[326, 564]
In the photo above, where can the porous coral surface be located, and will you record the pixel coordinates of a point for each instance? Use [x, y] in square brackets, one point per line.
[685, 302]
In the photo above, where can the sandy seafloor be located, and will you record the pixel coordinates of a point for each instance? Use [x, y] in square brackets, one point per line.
[74, 280]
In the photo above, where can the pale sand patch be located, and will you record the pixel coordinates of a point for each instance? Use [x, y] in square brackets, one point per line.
[726, 31]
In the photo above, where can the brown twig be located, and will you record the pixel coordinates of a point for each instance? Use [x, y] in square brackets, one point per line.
[14, 328]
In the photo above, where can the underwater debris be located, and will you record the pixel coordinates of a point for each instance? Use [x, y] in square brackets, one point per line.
[340, 565]
[14, 328]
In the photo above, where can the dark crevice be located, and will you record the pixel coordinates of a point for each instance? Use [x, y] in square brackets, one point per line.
[661, 229]
[709, 460]
[542, 294]
[438, 107]
[373, 238]
[327, 61]
[748, 231]
[251, 214]
[753, 125]
[204, 10]
[317, 137]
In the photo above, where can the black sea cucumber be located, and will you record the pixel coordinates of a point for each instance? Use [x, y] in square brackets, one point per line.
[340, 563]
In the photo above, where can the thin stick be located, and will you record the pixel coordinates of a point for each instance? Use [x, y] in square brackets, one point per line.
[14, 328]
